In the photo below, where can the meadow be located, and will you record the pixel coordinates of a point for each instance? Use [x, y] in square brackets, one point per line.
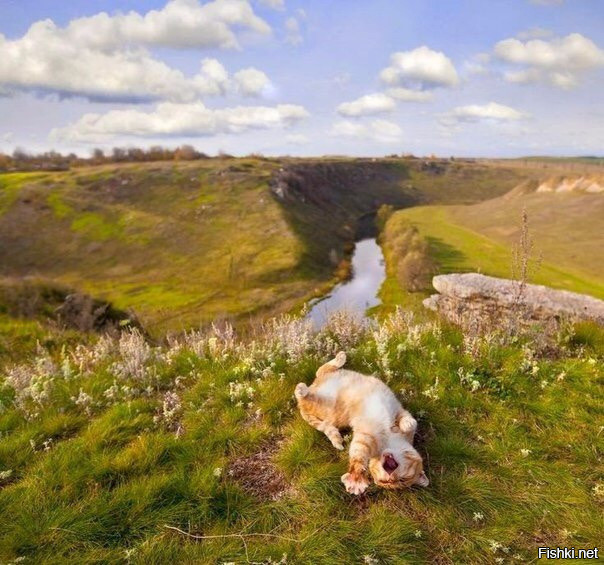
[118, 451]
[184, 443]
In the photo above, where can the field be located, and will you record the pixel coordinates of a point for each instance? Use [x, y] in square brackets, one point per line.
[113, 446]
[188, 446]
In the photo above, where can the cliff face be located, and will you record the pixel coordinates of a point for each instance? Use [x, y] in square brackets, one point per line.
[330, 203]
[479, 302]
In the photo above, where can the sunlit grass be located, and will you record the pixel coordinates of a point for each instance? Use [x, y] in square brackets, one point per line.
[513, 462]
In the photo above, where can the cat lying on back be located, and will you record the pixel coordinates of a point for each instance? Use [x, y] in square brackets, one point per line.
[382, 441]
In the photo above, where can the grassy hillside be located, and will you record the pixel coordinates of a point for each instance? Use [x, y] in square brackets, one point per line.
[186, 243]
[106, 449]
[457, 248]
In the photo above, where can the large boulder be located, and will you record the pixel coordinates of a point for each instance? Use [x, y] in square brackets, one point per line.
[472, 299]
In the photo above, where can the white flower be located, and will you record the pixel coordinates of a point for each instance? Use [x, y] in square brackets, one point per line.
[217, 472]
[478, 516]
[525, 452]
[418, 534]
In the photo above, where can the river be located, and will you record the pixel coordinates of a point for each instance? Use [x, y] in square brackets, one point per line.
[360, 292]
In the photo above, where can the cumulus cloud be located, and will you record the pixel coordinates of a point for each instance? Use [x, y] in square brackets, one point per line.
[488, 113]
[370, 104]
[559, 61]
[171, 119]
[44, 60]
[251, 82]
[381, 131]
[420, 68]
[409, 95]
[179, 24]
[101, 57]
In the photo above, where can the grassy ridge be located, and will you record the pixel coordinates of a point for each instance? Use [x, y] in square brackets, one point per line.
[115, 441]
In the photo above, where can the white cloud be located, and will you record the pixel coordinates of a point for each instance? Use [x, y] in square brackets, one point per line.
[559, 61]
[274, 4]
[179, 24]
[101, 56]
[251, 82]
[422, 67]
[367, 105]
[408, 95]
[8, 136]
[45, 60]
[293, 34]
[488, 113]
[381, 131]
[170, 119]
[297, 139]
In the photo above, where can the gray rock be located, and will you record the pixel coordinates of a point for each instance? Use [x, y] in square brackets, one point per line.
[471, 297]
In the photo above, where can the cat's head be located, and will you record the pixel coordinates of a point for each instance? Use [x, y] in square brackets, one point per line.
[398, 466]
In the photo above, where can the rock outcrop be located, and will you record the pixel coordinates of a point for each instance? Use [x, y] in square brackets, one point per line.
[477, 301]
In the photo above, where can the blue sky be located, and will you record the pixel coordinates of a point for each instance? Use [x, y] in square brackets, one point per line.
[456, 77]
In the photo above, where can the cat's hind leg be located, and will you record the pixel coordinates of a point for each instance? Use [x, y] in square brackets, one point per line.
[310, 409]
[331, 366]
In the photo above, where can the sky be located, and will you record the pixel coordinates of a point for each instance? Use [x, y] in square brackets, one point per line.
[500, 78]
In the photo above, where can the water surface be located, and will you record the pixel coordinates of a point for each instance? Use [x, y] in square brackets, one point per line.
[360, 292]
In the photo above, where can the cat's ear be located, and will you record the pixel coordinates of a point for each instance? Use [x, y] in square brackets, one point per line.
[422, 480]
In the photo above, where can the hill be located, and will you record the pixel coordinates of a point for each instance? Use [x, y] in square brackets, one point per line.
[185, 243]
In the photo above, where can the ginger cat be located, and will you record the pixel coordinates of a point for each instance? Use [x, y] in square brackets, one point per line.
[382, 442]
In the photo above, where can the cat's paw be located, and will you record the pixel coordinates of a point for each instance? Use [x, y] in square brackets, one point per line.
[337, 443]
[339, 360]
[355, 484]
[301, 391]
[408, 425]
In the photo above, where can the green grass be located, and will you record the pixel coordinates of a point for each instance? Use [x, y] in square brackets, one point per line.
[190, 242]
[112, 477]
[459, 249]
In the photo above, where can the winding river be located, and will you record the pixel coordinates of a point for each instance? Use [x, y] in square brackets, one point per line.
[360, 292]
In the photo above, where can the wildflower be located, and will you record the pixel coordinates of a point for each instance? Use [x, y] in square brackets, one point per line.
[84, 401]
[5, 474]
[544, 383]
[432, 391]
[525, 452]
[598, 490]
[169, 413]
[494, 546]
[418, 534]
[369, 560]
[217, 472]
[499, 560]
[478, 517]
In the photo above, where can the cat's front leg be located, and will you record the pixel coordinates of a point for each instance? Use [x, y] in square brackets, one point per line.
[356, 480]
